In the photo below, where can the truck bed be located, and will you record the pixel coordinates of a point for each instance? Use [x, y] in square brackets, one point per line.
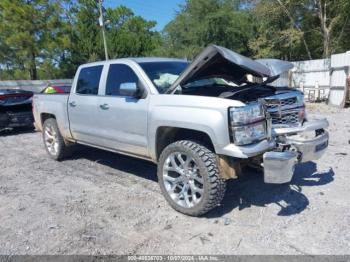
[51, 104]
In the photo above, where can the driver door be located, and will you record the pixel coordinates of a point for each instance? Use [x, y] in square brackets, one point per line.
[122, 119]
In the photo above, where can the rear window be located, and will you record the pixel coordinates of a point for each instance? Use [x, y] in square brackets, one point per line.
[89, 80]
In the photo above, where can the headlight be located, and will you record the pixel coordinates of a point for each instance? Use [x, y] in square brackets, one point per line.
[249, 134]
[248, 124]
[246, 114]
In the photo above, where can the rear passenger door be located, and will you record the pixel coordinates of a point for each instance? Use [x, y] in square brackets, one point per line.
[122, 120]
[83, 105]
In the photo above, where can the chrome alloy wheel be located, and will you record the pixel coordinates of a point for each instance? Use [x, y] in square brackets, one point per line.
[182, 180]
[51, 140]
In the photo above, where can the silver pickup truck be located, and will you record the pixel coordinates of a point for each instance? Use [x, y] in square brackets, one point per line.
[200, 122]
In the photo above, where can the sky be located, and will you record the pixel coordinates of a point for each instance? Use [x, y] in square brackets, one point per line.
[161, 11]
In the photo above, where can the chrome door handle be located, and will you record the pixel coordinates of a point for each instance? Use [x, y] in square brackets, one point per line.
[73, 104]
[104, 106]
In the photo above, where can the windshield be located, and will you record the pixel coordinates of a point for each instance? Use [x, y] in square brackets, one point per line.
[163, 74]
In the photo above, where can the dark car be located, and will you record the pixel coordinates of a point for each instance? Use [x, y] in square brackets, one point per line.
[15, 108]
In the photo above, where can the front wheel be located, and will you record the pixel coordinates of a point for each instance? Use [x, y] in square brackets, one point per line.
[189, 178]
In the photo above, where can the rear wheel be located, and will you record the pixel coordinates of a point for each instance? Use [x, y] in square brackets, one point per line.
[53, 140]
[189, 178]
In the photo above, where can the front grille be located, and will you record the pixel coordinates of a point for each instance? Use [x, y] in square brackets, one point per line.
[291, 118]
[284, 109]
[274, 103]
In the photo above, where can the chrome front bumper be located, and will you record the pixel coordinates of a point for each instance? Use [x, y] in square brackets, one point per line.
[279, 166]
[305, 143]
[309, 149]
[312, 125]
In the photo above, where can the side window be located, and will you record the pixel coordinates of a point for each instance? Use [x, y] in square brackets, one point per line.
[89, 80]
[118, 75]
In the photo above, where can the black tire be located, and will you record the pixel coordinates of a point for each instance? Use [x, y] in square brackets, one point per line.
[63, 149]
[214, 186]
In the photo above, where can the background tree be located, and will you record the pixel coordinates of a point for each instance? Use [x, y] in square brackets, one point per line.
[301, 29]
[277, 34]
[50, 38]
[333, 17]
[130, 35]
[127, 34]
[203, 22]
[28, 33]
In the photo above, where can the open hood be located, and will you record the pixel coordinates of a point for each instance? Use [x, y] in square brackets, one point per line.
[216, 61]
[276, 66]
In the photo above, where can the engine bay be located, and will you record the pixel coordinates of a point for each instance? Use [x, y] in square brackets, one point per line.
[246, 94]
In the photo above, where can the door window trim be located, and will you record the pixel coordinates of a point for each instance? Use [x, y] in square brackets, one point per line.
[133, 68]
[75, 81]
[103, 80]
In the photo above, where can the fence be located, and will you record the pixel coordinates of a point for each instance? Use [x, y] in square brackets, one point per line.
[34, 86]
[321, 79]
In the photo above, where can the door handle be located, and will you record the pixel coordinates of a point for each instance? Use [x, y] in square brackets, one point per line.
[73, 104]
[104, 106]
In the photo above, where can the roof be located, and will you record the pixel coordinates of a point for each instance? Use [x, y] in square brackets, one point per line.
[156, 59]
[138, 60]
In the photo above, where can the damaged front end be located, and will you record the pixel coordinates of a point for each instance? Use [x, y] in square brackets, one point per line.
[272, 118]
[297, 138]
[272, 130]
[279, 123]
[295, 145]
[283, 124]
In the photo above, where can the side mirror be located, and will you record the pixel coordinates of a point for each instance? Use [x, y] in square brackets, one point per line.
[130, 89]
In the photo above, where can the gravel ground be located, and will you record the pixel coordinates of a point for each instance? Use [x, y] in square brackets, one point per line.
[103, 203]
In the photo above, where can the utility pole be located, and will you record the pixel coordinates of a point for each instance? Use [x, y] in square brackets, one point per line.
[102, 24]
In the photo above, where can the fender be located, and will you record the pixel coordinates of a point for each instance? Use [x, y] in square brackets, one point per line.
[190, 112]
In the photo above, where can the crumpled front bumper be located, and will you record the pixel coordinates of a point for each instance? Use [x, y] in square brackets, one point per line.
[303, 143]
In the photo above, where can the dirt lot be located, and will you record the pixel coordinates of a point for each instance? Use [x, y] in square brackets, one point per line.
[104, 203]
